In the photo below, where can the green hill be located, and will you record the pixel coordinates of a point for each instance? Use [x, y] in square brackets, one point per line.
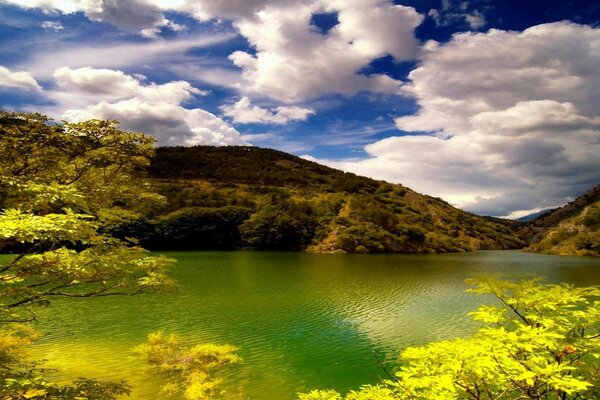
[249, 197]
[573, 229]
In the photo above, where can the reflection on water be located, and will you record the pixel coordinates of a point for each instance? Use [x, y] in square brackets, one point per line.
[302, 321]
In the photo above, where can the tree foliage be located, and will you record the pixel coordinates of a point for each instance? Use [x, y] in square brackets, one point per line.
[200, 228]
[541, 342]
[191, 370]
[280, 225]
[62, 187]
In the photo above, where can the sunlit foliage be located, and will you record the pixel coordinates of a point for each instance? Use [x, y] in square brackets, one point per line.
[62, 187]
[541, 342]
[191, 370]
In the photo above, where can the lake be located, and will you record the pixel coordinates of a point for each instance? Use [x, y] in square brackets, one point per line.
[302, 321]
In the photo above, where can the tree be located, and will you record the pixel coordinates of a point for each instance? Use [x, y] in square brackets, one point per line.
[62, 187]
[280, 225]
[200, 228]
[541, 342]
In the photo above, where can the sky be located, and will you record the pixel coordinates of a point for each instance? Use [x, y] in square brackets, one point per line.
[492, 105]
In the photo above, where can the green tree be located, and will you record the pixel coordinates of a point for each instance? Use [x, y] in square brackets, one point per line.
[280, 225]
[62, 187]
[200, 228]
[541, 342]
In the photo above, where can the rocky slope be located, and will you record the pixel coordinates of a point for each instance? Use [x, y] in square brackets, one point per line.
[573, 229]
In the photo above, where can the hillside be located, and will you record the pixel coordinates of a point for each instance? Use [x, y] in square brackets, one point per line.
[531, 217]
[249, 197]
[573, 229]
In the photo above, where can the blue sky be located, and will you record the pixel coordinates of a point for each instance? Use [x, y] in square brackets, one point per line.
[491, 105]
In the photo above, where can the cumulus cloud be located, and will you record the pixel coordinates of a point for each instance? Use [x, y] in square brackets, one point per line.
[294, 61]
[243, 112]
[147, 107]
[19, 80]
[512, 120]
[171, 124]
[112, 84]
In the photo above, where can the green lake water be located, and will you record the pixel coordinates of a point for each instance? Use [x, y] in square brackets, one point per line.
[302, 321]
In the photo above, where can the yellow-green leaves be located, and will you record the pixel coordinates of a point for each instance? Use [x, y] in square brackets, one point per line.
[62, 188]
[541, 342]
[22, 227]
[192, 369]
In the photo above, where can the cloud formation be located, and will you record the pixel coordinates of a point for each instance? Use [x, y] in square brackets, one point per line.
[131, 15]
[19, 80]
[147, 107]
[512, 117]
[294, 61]
[243, 112]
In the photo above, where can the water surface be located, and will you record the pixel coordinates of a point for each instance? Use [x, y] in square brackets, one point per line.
[302, 321]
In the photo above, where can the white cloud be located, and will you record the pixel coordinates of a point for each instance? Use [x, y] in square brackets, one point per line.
[243, 112]
[155, 109]
[18, 80]
[171, 124]
[479, 72]
[514, 119]
[117, 55]
[131, 15]
[456, 14]
[221, 9]
[294, 61]
[52, 26]
[113, 85]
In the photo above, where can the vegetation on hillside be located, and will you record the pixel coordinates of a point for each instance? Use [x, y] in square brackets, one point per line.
[570, 230]
[232, 197]
[541, 342]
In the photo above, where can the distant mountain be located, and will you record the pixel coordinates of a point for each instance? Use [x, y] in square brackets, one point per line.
[573, 229]
[531, 217]
[250, 197]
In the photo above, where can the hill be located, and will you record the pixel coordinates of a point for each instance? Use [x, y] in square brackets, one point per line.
[249, 197]
[573, 229]
[531, 217]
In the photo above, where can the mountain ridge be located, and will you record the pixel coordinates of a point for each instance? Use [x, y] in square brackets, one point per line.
[272, 200]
